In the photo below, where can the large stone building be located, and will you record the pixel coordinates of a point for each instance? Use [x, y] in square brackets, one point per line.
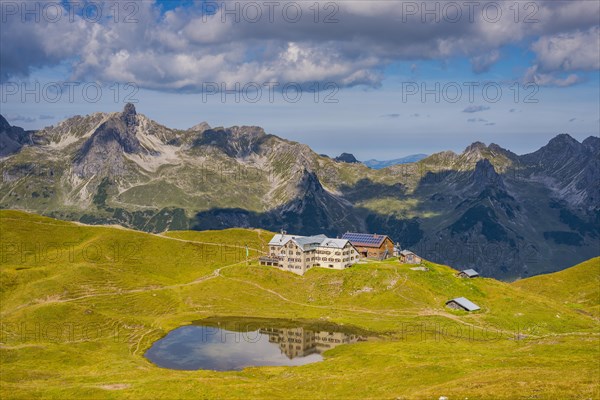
[371, 245]
[298, 254]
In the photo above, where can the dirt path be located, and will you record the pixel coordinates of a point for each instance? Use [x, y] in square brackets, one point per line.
[216, 273]
[208, 243]
[158, 235]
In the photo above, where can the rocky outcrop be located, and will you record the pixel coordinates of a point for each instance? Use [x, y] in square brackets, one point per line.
[485, 176]
[103, 152]
[347, 158]
[12, 138]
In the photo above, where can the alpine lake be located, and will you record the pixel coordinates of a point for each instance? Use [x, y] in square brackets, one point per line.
[232, 344]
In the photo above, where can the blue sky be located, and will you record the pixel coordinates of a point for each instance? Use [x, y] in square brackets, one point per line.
[371, 66]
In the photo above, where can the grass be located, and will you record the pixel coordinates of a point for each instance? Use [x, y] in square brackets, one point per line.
[577, 287]
[76, 322]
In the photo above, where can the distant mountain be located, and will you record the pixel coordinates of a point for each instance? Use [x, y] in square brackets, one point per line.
[504, 214]
[347, 158]
[201, 127]
[376, 164]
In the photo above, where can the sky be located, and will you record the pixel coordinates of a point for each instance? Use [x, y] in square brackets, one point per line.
[379, 79]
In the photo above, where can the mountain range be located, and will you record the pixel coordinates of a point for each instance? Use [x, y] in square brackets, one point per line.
[376, 164]
[506, 215]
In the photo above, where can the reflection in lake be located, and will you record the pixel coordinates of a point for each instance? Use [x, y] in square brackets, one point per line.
[228, 344]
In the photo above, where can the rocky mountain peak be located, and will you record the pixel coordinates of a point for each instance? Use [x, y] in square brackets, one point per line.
[129, 109]
[236, 141]
[12, 138]
[201, 127]
[498, 149]
[475, 152]
[485, 175]
[128, 116]
[562, 141]
[104, 149]
[241, 132]
[309, 182]
[4, 125]
[475, 147]
[592, 143]
[347, 158]
[556, 152]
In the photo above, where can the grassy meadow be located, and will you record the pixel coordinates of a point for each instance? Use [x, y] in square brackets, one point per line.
[81, 304]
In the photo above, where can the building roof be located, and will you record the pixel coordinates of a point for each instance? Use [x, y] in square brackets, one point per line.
[407, 253]
[470, 273]
[335, 243]
[464, 303]
[365, 239]
[281, 239]
[308, 242]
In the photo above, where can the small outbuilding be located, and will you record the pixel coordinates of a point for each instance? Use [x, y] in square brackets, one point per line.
[461, 303]
[468, 273]
[408, 257]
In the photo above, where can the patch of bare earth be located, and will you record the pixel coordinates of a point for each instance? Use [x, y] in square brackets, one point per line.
[115, 386]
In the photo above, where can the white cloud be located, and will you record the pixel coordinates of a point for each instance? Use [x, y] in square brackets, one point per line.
[569, 51]
[484, 62]
[19, 118]
[533, 75]
[474, 109]
[182, 49]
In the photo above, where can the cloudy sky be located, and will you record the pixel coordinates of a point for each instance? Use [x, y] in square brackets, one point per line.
[377, 79]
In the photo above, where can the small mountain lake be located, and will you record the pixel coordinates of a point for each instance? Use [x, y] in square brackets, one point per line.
[231, 344]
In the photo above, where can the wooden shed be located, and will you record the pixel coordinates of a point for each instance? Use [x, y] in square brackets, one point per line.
[408, 257]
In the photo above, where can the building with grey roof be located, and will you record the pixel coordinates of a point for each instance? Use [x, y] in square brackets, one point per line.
[298, 254]
[468, 273]
[462, 303]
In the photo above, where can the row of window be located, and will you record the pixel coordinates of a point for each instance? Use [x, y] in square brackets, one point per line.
[309, 259]
[291, 252]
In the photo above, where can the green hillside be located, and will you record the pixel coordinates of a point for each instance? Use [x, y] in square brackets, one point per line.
[80, 305]
[577, 287]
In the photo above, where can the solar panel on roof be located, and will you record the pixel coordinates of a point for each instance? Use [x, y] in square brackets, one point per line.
[363, 238]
